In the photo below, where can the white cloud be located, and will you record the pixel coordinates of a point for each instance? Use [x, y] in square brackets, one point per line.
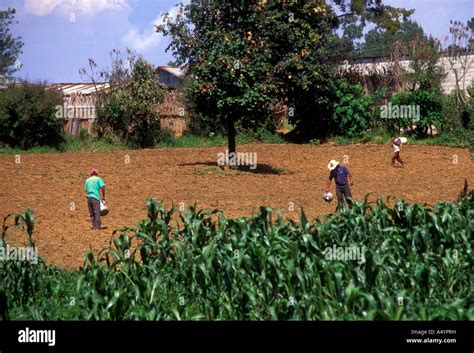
[148, 38]
[41, 8]
[141, 41]
[65, 7]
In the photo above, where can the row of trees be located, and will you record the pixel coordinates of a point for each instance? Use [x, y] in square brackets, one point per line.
[245, 58]
[28, 115]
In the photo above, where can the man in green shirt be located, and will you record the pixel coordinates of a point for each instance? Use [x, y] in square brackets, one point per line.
[94, 186]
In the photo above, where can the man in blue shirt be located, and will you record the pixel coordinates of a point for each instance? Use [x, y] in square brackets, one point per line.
[94, 186]
[342, 175]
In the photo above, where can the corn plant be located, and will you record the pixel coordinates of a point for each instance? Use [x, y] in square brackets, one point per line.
[198, 264]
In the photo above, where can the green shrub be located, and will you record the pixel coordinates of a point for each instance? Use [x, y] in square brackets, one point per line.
[112, 120]
[166, 137]
[128, 108]
[28, 116]
[351, 108]
[145, 133]
[84, 135]
[430, 107]
[201, 125]
[263, 134]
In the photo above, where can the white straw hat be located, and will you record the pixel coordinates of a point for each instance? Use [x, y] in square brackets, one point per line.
[333, 164]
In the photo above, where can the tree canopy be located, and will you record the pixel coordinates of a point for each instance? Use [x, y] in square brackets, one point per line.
[10, 47]
[245, 56]
[355, 15]
[378, 42]
[127, 109]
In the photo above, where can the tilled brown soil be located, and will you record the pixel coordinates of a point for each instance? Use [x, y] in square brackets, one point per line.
[287, 175]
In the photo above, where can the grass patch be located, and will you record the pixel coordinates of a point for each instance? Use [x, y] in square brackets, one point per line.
[85, 142]
[195, 141]
[78, 144]
[71, 144]
[463, 138]
[33, 150]
[209, 170]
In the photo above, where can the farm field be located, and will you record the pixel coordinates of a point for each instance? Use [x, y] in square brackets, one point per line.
[287, 174]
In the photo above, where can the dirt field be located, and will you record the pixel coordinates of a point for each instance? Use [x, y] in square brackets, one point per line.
[52, 184]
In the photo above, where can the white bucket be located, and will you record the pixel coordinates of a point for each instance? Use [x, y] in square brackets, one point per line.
[403, 140]
[103, 208]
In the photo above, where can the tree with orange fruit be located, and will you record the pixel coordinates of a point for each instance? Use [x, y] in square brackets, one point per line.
[244, 57]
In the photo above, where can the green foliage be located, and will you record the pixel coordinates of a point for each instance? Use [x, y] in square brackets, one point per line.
[206, 266]
[457, 138]
[28, 116]
[452, 112]
[424, 71]
[408, 44]
[112, 120]
[354, 15]
[351, 108]
[127, 109]
[264, 135]
[430, 111]
[379, 41]
[244, 57]
[84, 135]
[141, 91]
[10, 47]
[374, 11]
[201, 125]
[166, 137]
[459, 115]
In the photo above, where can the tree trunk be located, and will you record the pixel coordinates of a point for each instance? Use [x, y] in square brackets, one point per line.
[231, 135]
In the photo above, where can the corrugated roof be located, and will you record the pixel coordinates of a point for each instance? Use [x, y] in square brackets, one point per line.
[79, 88]
[174, 70]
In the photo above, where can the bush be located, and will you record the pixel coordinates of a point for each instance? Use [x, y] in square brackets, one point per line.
[84, 135]
[451, 113]
[145, 133]
[458, 115]
[28, 116]
[263, 134]
[351, 108]
[127, 110]
[166, 137]
[112, 121]
[201, 125]
[430, 106]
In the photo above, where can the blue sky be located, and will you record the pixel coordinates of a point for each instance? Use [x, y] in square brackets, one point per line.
[61, 35]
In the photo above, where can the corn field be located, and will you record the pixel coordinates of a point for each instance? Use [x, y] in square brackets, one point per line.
[199, 265]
